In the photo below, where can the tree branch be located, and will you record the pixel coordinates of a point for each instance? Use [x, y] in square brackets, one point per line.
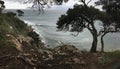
[26, 60]
[83, 1]
[87, 20]
[89, 2]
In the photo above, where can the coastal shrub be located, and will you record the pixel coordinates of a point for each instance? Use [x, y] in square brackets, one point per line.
[103, 60]
[9, 19]
[19, 12]
[1, 36]
[114, 54]
[11, 14]
[34, 35]
[20, 26]
[7, 47]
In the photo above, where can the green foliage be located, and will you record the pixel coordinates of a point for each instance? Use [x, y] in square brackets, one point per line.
[9, 23]
[103, 60]
[20, 12]
[11, 14]
[84, 16]
[1, 36]
[76, 19]
[6, 43]
[35, 36]
[79, 18]
[20, 26]
[114, 54]
[112, 9]
[2, 6]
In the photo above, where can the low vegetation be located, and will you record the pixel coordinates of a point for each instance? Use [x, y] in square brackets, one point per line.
[15, 33]
[114, 54]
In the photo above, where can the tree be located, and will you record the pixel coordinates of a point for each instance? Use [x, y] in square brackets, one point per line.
[79, 18]
[108, 26]
[111, 19]
[2, 6]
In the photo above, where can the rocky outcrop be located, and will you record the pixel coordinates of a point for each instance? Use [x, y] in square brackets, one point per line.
[15, 33]
[61, 57]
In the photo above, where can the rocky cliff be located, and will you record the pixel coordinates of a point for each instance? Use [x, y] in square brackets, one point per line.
[21, 48]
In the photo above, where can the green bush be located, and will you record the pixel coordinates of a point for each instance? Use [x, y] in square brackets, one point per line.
[103, 60]
[114, 54]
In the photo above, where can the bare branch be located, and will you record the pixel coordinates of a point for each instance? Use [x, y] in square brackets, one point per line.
[89, 2]
[83, 1]
[75, 34]
[91, 31]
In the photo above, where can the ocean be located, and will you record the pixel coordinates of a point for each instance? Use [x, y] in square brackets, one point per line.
[45, 25]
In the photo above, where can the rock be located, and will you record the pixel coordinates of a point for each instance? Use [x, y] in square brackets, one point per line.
[50, 56]
[41, 51]
[77, 51]
[68, 62]
[118, 67]
[65, 49]
[62, 53]
[26, 54]
[76, 60]
[83, 62]
[47, 52]
[49, 65]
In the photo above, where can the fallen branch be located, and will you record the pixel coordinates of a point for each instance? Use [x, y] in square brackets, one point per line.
[26, 60]
[1, 57]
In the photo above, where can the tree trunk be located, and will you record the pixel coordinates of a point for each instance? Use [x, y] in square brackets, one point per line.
[94, 44]
[102, 42]
[0, 10]
[95, 39]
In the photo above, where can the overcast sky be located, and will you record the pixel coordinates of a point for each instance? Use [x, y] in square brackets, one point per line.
[15, 4]
[18, 4]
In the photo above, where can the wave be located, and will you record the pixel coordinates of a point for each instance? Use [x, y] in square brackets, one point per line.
[40, 25]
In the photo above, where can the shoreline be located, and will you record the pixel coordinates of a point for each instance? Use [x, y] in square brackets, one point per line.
[58, 43]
